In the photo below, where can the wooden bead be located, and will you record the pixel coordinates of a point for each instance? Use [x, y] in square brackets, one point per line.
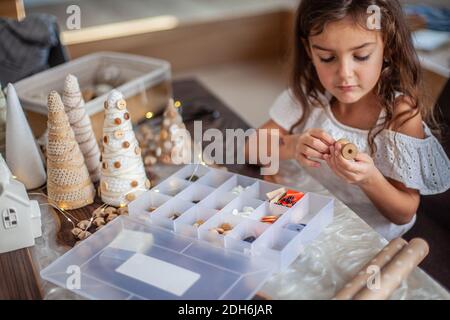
[105, 139]
[148, 184]
[130, 197]
[117, 121]
[123, 210]
[76, 231]
[126, 116]
[117, 164]
[105, 165]
[99, 221]
[125, 145]
[105, 104]
[137, 150]
[84, 234]
[111, 217]
[83, 224]
[110, 210]
[134, 183]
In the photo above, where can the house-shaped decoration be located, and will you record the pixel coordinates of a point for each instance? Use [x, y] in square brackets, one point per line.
[20, 218]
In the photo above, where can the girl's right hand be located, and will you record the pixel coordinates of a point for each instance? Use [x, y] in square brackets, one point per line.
[313, 143]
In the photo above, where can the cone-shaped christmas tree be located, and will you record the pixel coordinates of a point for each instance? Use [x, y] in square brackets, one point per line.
[123, 175]
[68, 184]
[171, 124]
[22, 153]
[2, 122]
[81, 126]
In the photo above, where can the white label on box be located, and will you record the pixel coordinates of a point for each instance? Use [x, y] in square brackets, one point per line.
[158, 273]
[131, 240]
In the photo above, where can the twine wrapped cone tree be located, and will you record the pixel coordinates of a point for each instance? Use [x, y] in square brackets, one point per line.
[81, 126]
[169, 147]
[23, 155]
[69, 185]
[123, 175]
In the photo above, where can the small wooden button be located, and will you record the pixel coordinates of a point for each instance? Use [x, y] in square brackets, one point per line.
[130, 197]
[105, 139]
[125, 144]
[105, 165]
[134, 183]
[121, 104]
[126, 116]
[117, 164]
[118, 134]
[137, 150]
[117, 121]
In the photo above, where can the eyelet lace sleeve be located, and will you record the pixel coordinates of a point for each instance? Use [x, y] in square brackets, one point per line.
[419, 164]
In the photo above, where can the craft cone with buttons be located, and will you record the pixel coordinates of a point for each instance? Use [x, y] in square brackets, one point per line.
[81, 126]
[123, 176]
[171, 124]
[68, 185]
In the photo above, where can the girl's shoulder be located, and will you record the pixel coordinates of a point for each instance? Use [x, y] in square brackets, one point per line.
[409, 152]
[407, 119]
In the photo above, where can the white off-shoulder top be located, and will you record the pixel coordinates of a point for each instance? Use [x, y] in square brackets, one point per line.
[418, 163]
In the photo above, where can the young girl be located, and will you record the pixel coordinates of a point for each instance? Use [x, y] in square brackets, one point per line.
[362, 84]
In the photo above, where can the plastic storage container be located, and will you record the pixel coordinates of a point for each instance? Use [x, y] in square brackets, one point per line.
[145, 86]
[153, 255]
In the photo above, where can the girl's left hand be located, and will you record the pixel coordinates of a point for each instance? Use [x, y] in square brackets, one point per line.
[359, 171]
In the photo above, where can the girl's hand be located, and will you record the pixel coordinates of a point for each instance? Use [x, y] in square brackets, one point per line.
[313, 143]
[359, 172]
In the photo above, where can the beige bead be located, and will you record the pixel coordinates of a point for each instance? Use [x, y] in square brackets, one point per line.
[123, 210]
[99, 221]
[76, 231]
[110, 210]
[84, 234]
[148, 184]
[104, 185]
[164, 134]
[83, 224]
[99, 213]
[105, 104]
[111, 217]
[130, 197]
[137, 150]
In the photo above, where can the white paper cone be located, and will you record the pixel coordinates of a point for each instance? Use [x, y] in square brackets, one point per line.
[22, 153]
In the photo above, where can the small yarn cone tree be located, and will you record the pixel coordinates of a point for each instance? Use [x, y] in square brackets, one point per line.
[68, 185]
[171, 124]
[123, 176]
[81, 126]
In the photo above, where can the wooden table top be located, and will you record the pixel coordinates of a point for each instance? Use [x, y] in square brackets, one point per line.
[20, 278]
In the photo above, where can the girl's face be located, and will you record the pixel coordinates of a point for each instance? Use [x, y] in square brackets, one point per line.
[348, 59]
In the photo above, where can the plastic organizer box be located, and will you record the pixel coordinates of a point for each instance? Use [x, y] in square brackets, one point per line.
[151, 255]
[145, 84]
